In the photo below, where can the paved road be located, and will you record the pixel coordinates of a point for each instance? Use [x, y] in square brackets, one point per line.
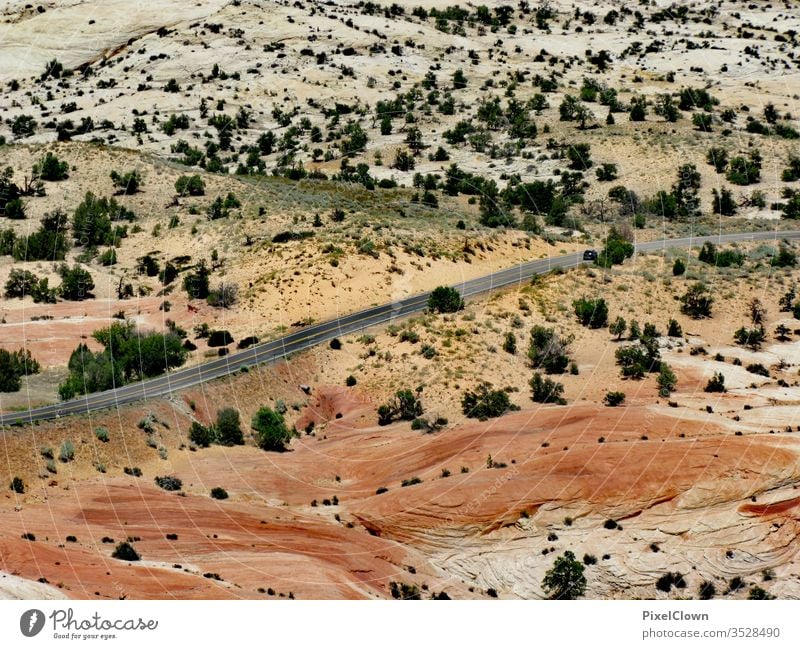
[297, 341]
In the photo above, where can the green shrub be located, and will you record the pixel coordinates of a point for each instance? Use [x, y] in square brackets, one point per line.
[405, 406]
[633, 361]
[128, 182]
[752, 338]
[591, 313]
[666, 379]
[545, 390]
[697, 301]
[716, 383]
[485, 403]
[169, 483]
[15, 365]
[756, 592]
[127, 355]
[219, 338]
[17, 485]
[200, 435]
[101, 432]
[614, 398]
[616, 250]
[228, 429]
[548, 351]
[565, 580]
[218, 493]
[674, 329]
[510, 343]
[745, 170]
[51, 168]
[125, 552]
[48, 243]
[444, 299]
[606, 172]
[67, 452]
[670, 579]
[272, 433]
[190, 185]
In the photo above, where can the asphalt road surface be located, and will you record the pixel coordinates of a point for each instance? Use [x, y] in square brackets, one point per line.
[312, 335]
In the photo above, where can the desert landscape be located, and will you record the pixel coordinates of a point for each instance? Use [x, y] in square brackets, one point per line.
[180, 185]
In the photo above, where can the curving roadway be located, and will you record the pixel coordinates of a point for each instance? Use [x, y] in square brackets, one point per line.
[297, 341]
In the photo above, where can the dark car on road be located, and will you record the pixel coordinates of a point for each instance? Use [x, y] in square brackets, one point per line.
[590, 255]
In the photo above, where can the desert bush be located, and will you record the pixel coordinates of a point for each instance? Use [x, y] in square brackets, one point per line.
[405, 406]
[196, 282]
[168, 483]
[76, 283]
[228, 430]
[666, 379]
[785, 258]
[752, 338]
[756, 592]
[49, 167]
[218, 493]
[272, 433]
[579, 156]
[67, 452]
[15, 365]
[707, 590]
[723, 202]
[444, 299]
[484, 402]
[92, 221]
[745, 170]
[697, 301]
[125, 552]
[219, 338]
[190, 186]
[23, 126]
[49, 242]
[225, 295]
[716, 383]
[17, 485]
[201, 435]
[702, 122]
[616, 250]
[637, 360]
[128, 354]
[565, 580]
[670, 579]
[591, 313]
[614, 398]
[128, 182]
[717, 157]
[546, 390]
[548, 351]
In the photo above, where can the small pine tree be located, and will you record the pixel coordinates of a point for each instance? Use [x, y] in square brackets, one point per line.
[565, 580]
